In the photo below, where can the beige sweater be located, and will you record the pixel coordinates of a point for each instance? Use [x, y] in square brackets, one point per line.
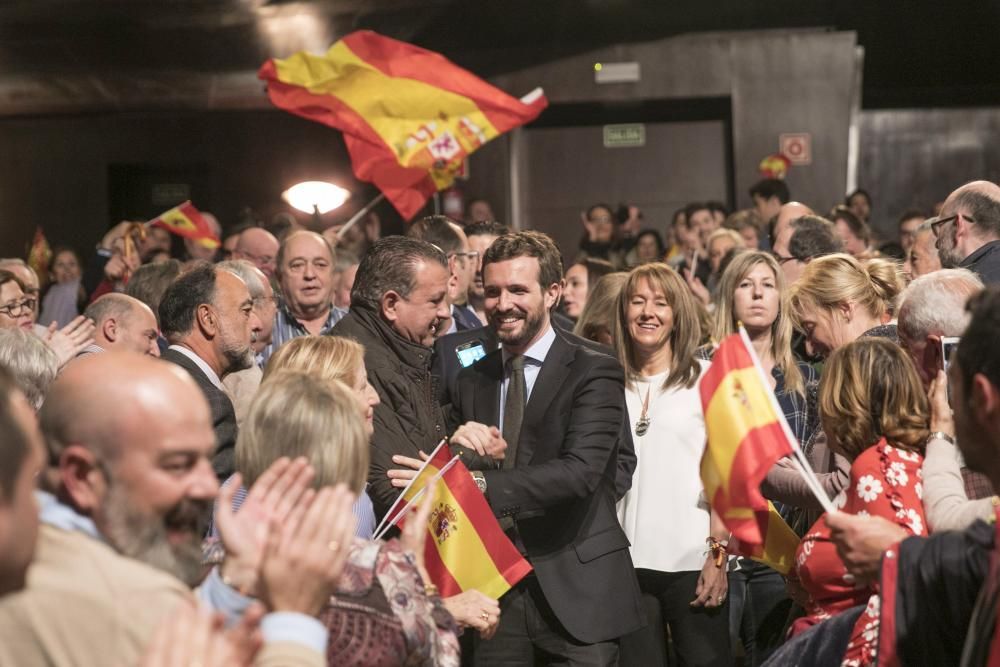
[86, 605]
[945, 503]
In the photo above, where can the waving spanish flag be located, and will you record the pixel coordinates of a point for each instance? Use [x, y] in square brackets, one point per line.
[185, 220]
[409, 116]
[747, 434]
[465, 548]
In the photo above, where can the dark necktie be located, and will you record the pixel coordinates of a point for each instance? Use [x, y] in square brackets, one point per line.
[513, 409]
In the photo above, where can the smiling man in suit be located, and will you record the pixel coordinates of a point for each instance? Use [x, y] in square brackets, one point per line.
[540, 420]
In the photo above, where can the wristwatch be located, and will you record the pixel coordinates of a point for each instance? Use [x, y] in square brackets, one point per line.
[479, 479]
[941, 435]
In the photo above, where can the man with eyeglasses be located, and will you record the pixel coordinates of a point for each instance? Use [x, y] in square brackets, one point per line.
[307, 280]
[968, 230]
[258, 246]
[801, 240]
[462, 265]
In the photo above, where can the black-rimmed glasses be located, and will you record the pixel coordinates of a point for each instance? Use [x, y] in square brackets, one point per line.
[18, 308]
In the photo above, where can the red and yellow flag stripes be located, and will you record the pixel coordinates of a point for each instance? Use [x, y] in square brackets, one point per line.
[465, 548]
[746, 436]
[409, 116]
[185, 220]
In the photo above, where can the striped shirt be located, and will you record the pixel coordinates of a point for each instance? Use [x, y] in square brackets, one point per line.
[287, 327]
[362, 510]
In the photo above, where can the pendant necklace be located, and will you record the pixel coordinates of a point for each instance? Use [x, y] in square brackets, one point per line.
[642, 424]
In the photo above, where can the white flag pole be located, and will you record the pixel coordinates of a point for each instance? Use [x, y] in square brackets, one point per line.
[798, 458]
[429, 485]
[402, 493]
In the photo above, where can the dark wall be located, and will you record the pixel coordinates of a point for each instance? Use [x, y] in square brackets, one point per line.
[56, 170]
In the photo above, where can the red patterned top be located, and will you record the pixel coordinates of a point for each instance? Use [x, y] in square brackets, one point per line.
[885, 481]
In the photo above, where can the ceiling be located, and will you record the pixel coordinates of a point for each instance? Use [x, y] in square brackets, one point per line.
[73, 56]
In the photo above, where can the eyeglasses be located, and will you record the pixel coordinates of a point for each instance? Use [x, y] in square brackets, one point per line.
[18, 309]
[937, 224]
[472, 254]
[782, 260]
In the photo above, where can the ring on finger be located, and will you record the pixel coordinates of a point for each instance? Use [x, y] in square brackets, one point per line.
[485, 616]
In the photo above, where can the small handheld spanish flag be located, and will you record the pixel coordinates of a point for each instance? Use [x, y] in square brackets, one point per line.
[747, 434]
[409, 116]
[187, 221]
[465, 548]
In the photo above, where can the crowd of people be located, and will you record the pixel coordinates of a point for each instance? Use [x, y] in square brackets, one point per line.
[200, 441]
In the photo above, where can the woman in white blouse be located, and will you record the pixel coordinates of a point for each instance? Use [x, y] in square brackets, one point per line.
[677, 548]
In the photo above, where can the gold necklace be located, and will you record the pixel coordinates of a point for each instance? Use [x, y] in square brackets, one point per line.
[642, 424]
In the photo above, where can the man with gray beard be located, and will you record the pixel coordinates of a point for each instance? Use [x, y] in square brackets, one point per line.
[968, 230]
[208, 318]
[124, 497]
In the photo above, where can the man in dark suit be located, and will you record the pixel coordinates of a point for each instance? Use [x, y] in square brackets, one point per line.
[477, 343]
[207, 316]
[540, 423]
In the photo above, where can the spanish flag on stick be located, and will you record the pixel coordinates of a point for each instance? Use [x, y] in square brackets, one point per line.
[747, 434]
[39, 256]
[185, 220]
[409, 116]
[465, 548]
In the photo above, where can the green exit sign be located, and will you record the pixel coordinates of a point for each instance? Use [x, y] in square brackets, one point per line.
[626, 135]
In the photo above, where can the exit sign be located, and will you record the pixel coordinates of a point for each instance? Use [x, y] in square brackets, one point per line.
[626, 135]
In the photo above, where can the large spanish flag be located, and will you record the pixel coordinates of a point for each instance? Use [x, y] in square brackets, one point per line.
[187, 221]
[746, 436]
[465, 548]
[409, 116]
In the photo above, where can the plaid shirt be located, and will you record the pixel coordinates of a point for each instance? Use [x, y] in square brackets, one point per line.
[286, 327]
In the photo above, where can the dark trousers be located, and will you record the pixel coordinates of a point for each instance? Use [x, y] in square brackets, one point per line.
[700, 636]
[530, 634]
[758, 610]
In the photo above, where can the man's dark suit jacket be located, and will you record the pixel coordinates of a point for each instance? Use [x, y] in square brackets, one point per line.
[561, 491]
[223, 415]
[446, 368]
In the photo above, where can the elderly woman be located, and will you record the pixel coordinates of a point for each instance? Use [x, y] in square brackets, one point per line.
[17, 310]
[875, 414]
[336, 359]
[752, 292]
[385, 610]
[656, 333]
[839, 298]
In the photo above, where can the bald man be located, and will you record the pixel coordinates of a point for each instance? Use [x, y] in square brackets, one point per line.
[122, 323]
[123, 512]
[259, 247]
[968, 230]
[788, 212]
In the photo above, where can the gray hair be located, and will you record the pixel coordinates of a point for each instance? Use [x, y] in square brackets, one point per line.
[245, 271]
[32, 363]
[935, 304]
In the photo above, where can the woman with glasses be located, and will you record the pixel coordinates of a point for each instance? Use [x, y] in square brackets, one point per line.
[679, 552]
[17, 311]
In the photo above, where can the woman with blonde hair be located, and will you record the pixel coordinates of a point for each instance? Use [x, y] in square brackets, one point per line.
[596, 318]
[875, 413]
[752, 292]
[331, 358]
[385, 610]
[839, 298]
[656, 333]
[342, 360]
